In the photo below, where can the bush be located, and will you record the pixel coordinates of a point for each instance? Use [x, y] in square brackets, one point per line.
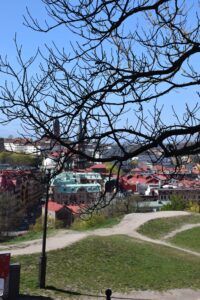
[126, 205]
[52, 224]
[38, 226]
[59, 224]
[18, 159]
[176, 203]
[94, 221]
[194, 207]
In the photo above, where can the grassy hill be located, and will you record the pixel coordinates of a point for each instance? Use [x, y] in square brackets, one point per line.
[118, 262]
[158, 228]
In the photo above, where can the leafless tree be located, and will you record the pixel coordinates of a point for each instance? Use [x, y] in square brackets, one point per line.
[129, 58]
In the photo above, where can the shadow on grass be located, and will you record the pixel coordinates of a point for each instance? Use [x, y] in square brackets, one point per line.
[73, 293]
[27, 297]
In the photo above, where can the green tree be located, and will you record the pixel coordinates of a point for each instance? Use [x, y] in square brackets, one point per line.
[5, 157]
[176, 203]
[113, 169]
[18, 159]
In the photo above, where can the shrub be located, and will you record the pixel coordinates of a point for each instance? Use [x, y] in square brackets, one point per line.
[194, 207]
[94, 221]
[176, 203]
[38, 226]
[58, 224]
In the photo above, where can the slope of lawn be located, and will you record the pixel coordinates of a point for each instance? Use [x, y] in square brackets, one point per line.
[189, 239]
[96, 221]
[93, 223]
[158, 228]
[118, 262]
[29, 236]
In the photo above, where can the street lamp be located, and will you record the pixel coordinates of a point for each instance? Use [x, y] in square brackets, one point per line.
[43, 258]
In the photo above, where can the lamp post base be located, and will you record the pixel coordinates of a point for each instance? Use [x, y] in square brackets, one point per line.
[42, 271]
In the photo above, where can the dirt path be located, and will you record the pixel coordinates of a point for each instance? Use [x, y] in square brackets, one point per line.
[64, 238]
[176, 294]
[127, 226]
[183, 228]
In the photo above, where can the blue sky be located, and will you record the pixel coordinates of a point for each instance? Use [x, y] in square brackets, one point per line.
[11, 21]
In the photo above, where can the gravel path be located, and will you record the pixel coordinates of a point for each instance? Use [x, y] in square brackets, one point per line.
[183, 228]
[64, 238]
[128, 226]
[176, 294]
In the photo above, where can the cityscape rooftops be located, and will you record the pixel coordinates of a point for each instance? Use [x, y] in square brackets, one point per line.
[75, 178]
[98, 166]
[74, 188]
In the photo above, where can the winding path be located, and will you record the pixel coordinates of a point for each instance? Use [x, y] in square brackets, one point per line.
[128, 226]
[183, 228]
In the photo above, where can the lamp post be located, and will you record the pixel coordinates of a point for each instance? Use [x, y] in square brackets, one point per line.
[43, 258]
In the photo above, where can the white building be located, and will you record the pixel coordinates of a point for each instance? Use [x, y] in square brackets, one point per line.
[20, 145]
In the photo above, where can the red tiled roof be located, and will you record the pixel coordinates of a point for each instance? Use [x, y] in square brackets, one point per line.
[54, 206]
[160, 176]
[55, 154]
[98, 166]
[135, 179]
[136, 170]
[74, 208]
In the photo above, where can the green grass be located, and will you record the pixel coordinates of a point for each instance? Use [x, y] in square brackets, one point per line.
[30, 235]
[189, 239]
[158, 228]
[96, 221]
[118, 262]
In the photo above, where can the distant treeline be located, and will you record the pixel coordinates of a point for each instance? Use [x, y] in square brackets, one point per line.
[19, 159]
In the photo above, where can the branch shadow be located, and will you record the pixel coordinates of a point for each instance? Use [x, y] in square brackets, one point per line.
[28, 297]
[71, 293]
[74, 293]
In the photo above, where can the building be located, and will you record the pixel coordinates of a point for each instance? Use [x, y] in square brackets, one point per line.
[76, 188]
[2, 148]
[188, 194]
[28, 146]
[21, 145]
[99, 168]
[142, 184]
[59, 212]
[20, 192]
[56, 128]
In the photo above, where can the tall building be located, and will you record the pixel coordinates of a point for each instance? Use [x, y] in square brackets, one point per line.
[2, 148]
[81, 161]
[56, 128]
[55, 145]
[20, 193]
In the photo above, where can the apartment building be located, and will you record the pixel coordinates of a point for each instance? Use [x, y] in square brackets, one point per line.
[76, 188]
[19, 193]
